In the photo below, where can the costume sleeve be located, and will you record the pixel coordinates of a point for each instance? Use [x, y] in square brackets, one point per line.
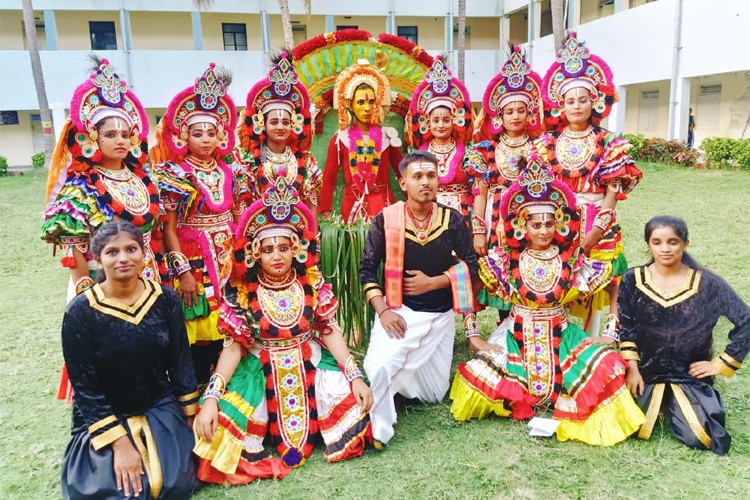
[330, 174]
[626, 302]
[326, 305]
[475, 161]
[175, 189]
[617, 164]
[313, 180]
[738, 313]
[591, 276]
[372, 258]
[464, 246]
[180, 363]
[232, 316]
[79, 355]
[241, 188]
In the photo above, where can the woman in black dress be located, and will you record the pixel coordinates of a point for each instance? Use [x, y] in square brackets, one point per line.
[668, 310]
[135, 394]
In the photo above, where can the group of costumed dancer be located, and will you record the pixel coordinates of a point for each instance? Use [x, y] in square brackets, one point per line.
[207, 276]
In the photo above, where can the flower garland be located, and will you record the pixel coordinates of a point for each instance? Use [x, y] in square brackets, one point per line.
[320, 41]
[590, 166]
[408, 47]
[364, 157]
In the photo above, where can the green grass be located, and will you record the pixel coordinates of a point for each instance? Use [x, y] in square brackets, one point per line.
[431, 455]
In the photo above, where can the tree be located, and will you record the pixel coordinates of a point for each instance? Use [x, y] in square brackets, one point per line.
[461, 38]
[558, 22]
[36, 70]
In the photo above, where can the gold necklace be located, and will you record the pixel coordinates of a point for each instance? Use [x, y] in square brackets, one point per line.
[121, 174]
[545, 254]
[444, 148]
[421, 226]
[272, 283]
[514, 142]
[577, 135]
[278, 158]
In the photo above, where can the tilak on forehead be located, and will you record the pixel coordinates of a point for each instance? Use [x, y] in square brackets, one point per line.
[422, 165]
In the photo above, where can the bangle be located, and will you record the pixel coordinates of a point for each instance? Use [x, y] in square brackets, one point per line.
[177, 261]
[216, 387]
[478, 225]
[470, 326]
[182, 269]
[351, 370]
[604, 219]
[612, 328]
[83, 284]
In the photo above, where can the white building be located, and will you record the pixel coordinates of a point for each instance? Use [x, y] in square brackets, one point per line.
[666, 55]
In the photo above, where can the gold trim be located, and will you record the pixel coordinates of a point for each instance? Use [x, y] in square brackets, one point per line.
[629, 351]
[108, 437]
[644, 282]
[132, 314]
[730, 360]
[375, 292]
[440, 224]
[692, 419]
[190, 410]
[657, 396]
[101, 423]
[723, 367]
[140, 429]
[188, 397]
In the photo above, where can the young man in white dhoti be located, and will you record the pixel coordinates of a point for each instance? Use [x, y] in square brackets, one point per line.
[429, 265]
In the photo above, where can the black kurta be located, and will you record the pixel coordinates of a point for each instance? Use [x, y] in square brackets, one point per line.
[132, 374]
[666, 333]
[448, 234]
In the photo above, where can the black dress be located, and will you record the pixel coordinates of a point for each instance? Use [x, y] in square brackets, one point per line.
[666, 333]
[132, 374]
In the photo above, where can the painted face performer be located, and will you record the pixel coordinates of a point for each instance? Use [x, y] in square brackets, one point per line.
[536, 356]
[669, 309]
[97, 176]
[593, 162]
[278, 374]
[276, 134]
[441, 123]
[362, 146]
[512, 115]
[200, 193]
[411, 344]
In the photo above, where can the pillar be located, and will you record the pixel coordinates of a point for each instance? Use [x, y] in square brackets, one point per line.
[197, 30]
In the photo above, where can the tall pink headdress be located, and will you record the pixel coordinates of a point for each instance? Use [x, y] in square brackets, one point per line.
[576, 67]
[516, 82]
[440, 88]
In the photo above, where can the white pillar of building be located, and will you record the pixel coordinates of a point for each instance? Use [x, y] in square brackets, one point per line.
[265, 31]
[58, 117]
[679, 109]
[617, 116]
[50, 29]
[621, 5]
[574, 14]
[127, 37]
[449, 32]
[330, 24]
[535, 25]
[195, 18]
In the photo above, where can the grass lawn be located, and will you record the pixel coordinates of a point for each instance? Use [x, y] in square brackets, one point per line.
[431, 454]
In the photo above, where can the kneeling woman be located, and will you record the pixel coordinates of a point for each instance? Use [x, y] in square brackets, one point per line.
[535, 356]
[135, 394]
[279, 373]
[668, 310]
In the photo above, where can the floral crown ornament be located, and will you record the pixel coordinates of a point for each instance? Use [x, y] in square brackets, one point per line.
[536, 191]
[103, 95]
[362, 72]
[280, 90]
[576, 67]
[206, 101]
[278, 213]
[440, 88]
[516, 82]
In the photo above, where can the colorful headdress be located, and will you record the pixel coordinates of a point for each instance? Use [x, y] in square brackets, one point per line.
[278, 213]
[352, 77]
[515, 82]
[103, 95]
[280, 90]
[536, 191]
[440, 88]
[206, 101]
[576, 67]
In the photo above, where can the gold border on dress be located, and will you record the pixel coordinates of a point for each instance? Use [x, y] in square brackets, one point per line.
[692, 419]
[657, 396]
[644, 283]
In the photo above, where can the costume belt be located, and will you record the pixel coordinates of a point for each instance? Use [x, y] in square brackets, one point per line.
[453, 188]
[538, 313]
[281, 344]
[589, 198]
[202, 221]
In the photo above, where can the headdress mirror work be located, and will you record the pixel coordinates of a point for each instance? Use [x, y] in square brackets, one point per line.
[206, 101]
[515, 82]
[280, 90]
[105, 95]
[440, 88]
[575, 67]
[352, 77]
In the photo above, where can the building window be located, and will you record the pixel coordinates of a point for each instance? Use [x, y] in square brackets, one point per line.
[103, 35]
[709, 102]
[347, 27]
[235, 36]
[408, 32]
[648, 118]
[8, 117]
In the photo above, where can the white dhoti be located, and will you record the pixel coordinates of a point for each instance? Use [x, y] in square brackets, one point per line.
[417, 366]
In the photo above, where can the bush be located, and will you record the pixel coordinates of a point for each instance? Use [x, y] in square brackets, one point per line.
[37, 160]
[3, 166]
[727, 153]
[660, 150]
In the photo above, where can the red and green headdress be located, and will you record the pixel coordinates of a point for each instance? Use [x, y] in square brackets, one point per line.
[515, 82]
[440, 88]
[576, 67]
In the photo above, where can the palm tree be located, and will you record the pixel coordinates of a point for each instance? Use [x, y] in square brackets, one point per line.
[461, 38]
[36, 70]
[558, 22]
